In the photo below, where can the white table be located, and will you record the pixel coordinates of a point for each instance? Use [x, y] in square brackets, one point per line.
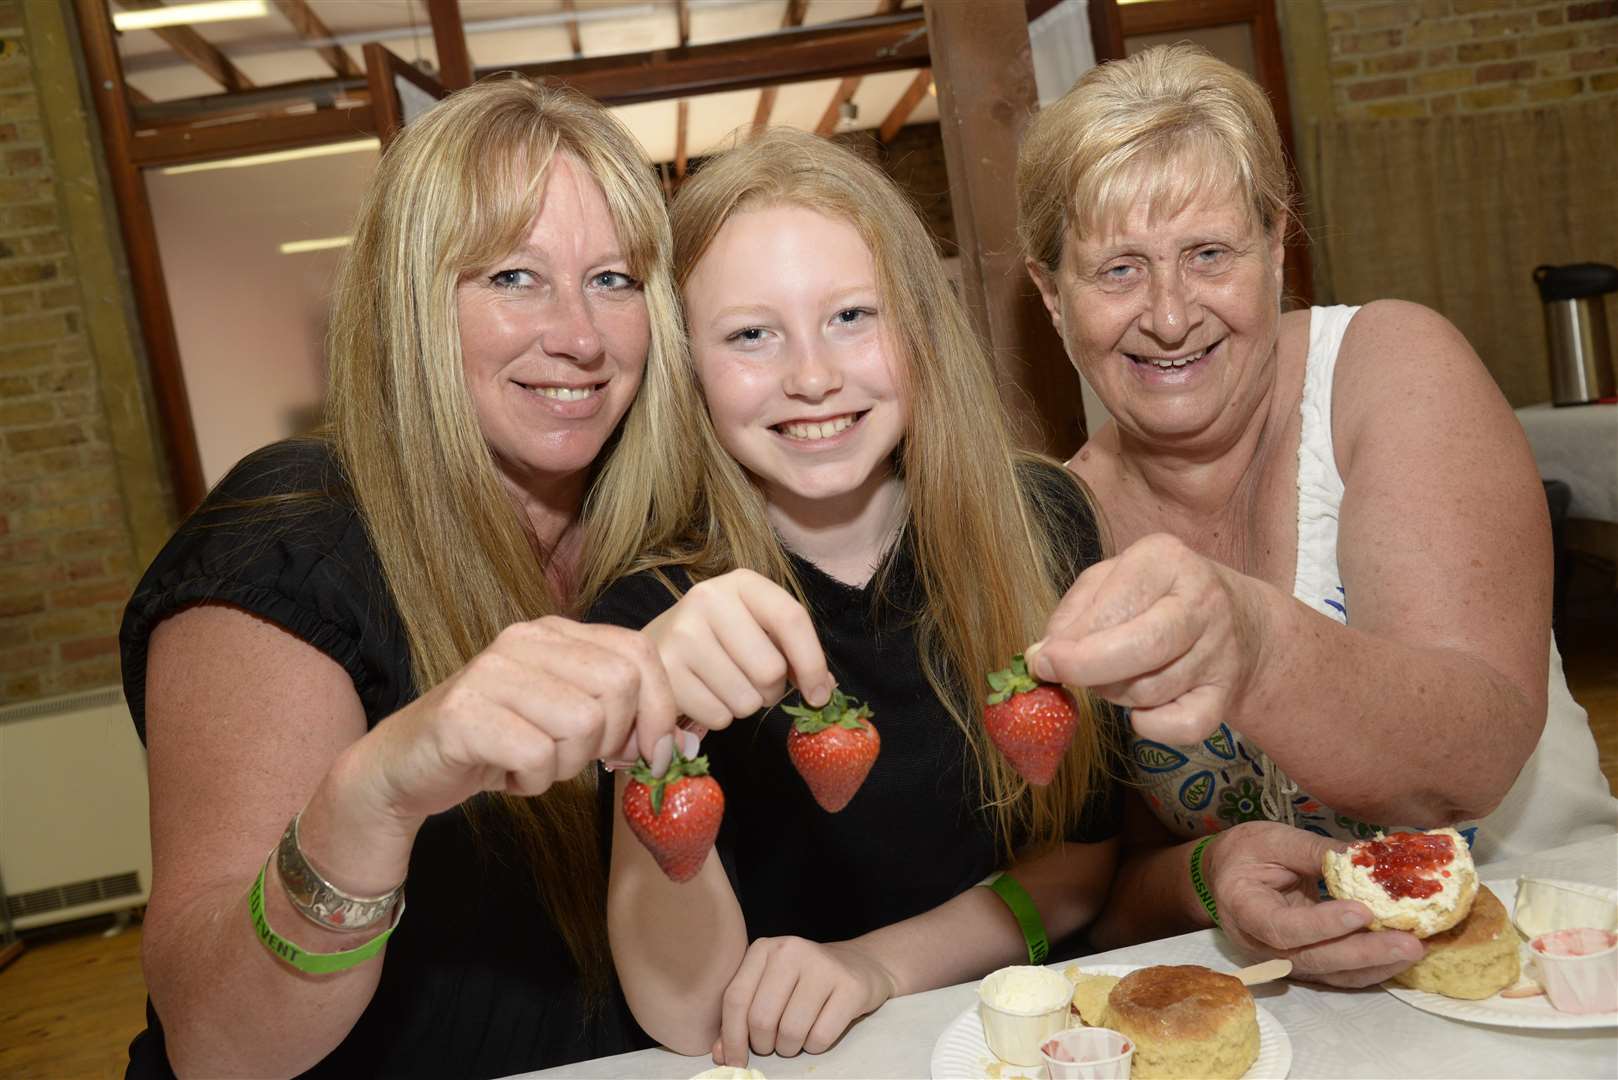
[1334, 1033]
[1578, 445]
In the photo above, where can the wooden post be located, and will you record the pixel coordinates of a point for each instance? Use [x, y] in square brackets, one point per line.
[449, 41]
[106, 78]
[985, 78]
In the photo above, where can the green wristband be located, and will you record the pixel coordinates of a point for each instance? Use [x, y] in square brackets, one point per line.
[312, 962]
[1023, 910]
[1200, 883]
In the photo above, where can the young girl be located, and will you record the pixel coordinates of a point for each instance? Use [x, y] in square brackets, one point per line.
[863, 522]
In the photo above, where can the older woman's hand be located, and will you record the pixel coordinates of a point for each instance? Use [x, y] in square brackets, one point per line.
[1265, 878]
[1161, 629]
[538, 706]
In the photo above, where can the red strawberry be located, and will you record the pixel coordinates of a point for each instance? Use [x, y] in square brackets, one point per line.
[677, 815]
[833, 748]
[1031, 722]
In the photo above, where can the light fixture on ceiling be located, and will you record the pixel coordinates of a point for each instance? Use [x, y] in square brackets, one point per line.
[184, 14]
[322, 150]
[298, 247]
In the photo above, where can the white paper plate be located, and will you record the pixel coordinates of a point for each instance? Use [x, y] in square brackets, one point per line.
[1534, 1012]
[961, 1053]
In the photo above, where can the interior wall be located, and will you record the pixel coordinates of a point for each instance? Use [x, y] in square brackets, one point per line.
[251, 320]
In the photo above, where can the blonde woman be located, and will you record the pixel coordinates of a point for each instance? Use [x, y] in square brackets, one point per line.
[864, 521]
[353, 658]
[1326, 611]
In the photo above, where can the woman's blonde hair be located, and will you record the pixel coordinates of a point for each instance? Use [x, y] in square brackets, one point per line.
[1164, 127]
[985, 557]
[458, 189]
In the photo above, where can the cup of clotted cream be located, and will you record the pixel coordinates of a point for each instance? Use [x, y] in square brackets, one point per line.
[1022, 1006]
[1579, 968]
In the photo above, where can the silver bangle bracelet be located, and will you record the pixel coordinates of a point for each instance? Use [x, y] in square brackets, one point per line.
[317, 899]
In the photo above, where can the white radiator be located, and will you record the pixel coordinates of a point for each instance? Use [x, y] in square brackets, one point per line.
[73, 815]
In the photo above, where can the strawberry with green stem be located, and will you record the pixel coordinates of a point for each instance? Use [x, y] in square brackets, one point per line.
[1031, 722]
[675, 815]
[833, 748]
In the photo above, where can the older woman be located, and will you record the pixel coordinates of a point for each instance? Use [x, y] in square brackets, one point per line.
[358, 635]
[1331, 602]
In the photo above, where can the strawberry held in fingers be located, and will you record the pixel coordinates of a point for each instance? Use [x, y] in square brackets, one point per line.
[1031, 722]
[833, 748]
[676, 815]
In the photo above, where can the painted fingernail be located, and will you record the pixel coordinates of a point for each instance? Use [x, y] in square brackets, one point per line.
[689, 743]
[662, 754]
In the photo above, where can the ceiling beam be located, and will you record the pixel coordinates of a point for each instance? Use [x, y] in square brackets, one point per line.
[574, 40]
[766, 96]
[859, 47]
[196, 48]
[682, 118]
[177, 146]
[449, 41]
[310, 28]
[905, 105]
[892, 43]
[684, 13]
[834, 109]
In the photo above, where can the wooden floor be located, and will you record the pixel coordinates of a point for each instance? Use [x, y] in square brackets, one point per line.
[70, 1003]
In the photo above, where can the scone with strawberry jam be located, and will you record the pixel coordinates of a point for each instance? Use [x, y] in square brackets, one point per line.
[1423, 882]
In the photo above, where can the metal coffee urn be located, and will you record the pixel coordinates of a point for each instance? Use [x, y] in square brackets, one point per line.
[1576, 330]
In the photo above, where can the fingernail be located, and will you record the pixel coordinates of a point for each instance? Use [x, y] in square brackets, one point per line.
[1411, 950]
[689, 743]
[1353, 920]
[1034, 656]
[822, 695]
[662, 754]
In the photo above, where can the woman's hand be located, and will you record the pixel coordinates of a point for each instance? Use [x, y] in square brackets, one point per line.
[537, 706]
[1265, 878]
[1174, 636]
[731, 643]
[791, 995]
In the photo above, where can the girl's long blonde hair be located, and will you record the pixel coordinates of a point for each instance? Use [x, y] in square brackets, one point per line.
[458, 189]
[985, 558]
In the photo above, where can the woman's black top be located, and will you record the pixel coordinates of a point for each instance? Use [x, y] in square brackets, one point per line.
[476, 981]
[914, 835]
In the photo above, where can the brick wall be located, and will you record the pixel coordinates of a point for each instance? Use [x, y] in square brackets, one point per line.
[1431, 57]
[65, 549]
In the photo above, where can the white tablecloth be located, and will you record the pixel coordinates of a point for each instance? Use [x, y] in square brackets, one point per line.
[1334, 1033]
[1578, 444]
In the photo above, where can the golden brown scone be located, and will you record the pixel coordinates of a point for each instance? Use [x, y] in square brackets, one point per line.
[1090, 996]
[1420, 882]
[1186, 1021]
[1476, 958]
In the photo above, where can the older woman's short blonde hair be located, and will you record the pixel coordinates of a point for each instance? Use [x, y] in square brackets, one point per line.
[1165, 127]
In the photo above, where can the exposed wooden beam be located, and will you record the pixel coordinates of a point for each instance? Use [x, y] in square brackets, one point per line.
[766, 96]
[859, 47]
[684, 14]
[449, 41]
[574, 40]
[321, 93]
[1106, 29]
[107, 87]
[310, 28]
[171, 146]
[834, 108]
[905, 105]
[682, 117]
[195, 48]
[135, 96]
[984, 74]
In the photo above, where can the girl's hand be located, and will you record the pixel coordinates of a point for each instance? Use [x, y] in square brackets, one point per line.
[1265, 878]
[731, 643]
[1174, 636]
[539, 705]
[791, 995]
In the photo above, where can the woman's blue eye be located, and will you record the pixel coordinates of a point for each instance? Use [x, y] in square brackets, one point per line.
[748, 335]
[509, 279]
[849, 316]
[615, 279]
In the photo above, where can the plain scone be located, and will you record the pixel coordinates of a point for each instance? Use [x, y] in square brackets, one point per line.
[1185, 1021]
[1090, 993]
[1421, 916]
[1476, 958]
